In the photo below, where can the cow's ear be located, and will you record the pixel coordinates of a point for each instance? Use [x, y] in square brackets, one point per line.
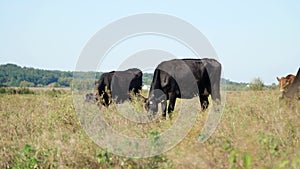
[278, 79]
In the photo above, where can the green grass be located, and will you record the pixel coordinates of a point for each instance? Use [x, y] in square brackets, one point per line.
[257, 130]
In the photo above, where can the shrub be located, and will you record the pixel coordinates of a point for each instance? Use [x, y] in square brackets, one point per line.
[24, 83]
[16, 91]
[54, 93]
[24, 91]
[257, 84]
[2, 90]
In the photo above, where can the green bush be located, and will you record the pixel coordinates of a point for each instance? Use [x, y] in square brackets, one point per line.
[16, 91]
[257, 84]
[25, 83]
[54, 93]
[24, 91]
[2, 91]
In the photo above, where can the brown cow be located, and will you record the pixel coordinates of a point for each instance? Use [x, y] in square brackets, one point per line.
[294, 88]
[289, 85]
[285, 82]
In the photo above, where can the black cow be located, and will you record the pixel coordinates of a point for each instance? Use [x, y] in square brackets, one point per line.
[117, 85]
[184, 78]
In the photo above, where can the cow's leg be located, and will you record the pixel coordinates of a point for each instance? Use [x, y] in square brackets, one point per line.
[164, 108]
[204, 101]
[171, 107]
[163, 100]
[282, 95]
[106, 99]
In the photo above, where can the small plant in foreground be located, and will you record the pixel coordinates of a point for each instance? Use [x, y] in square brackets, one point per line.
[26, 159]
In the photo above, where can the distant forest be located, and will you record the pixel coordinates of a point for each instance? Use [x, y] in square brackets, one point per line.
[12, 75]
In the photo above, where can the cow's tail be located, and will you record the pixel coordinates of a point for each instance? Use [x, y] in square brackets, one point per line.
[214, 71]
[99, 87]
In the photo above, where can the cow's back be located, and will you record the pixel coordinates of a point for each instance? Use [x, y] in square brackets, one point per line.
[189, 75]
[124, 82]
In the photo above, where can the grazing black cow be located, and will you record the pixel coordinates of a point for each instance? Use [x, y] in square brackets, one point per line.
[117, 85]
[184, 78]
[293, 88]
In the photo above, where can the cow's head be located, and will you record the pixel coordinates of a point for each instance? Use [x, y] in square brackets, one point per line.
[156, 96]
[151, 105]
[285, 82]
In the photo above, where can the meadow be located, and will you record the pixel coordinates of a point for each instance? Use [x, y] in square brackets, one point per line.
[257, 130]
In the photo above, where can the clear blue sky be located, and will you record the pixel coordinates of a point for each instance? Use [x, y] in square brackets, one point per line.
[252, 39]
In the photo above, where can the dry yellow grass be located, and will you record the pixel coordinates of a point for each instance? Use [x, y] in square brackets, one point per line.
[257, 130]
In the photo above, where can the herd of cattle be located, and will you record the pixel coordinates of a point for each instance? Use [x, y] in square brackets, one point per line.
[177, 78]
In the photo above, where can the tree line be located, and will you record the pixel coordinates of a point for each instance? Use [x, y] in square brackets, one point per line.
[12, 75]
[16, 76]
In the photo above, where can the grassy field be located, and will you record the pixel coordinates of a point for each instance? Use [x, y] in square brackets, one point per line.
[257, 130]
